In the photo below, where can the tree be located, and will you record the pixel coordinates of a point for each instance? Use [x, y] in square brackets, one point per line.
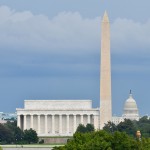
[144, 126]
[89, 127]
[18, 135]
[6, 135]
[15, 131]
[30, 136]
[10, 133]
[82, 129]
[102, 140]
[110, 127]
[127, 126]
[122, 141]
[11, 125]
[145, 144]
[144, 119]
[130, 127]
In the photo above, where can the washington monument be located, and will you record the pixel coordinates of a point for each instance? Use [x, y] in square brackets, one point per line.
[105, 73]
[62, 117]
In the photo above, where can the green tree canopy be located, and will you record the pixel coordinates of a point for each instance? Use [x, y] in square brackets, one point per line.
[102, 140]
[83, 129]
[89, 127]
[18, 135]
[130, 127]
[6, 135]
[30, 136]
[10, 133]
[127, 126]
[110, 127]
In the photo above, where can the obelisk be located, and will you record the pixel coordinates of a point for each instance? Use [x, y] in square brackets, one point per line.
[105, 73]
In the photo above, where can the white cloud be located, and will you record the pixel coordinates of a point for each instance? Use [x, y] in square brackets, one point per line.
[68, 32]
[128, 36]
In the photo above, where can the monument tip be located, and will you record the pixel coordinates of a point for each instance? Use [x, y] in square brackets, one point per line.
[105, 17]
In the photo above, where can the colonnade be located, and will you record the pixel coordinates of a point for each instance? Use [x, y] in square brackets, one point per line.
[64, 124]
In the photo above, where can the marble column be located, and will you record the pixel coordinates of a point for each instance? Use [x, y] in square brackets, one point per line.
[39, 124]
[74, 123]
[88, 119]
[95, 122]
[67, 124]
[18, 121]
[81, 119]
[53, 124]
[31, 117]
[60, 124]
[25, 122]
[46, 124]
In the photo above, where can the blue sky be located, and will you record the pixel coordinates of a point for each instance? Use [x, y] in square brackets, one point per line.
[51, 50]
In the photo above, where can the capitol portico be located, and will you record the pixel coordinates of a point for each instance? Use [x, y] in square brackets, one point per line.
[56, 117]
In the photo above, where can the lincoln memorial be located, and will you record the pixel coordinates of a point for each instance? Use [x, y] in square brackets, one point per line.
[56, 117]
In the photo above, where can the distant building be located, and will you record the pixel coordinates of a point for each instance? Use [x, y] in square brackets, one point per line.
[130, 111]
[1, 115]
[4, 117]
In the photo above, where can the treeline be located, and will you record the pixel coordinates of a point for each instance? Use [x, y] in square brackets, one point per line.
[130, 127]
[112, 137]
[102, 140]
[10, 134]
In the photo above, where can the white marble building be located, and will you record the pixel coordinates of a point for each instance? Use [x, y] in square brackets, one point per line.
[56, 117]
[130, 111]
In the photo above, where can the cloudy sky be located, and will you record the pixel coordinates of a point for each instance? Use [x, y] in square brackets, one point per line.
[51, 50]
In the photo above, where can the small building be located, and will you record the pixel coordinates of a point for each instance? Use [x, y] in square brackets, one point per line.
[7, 116]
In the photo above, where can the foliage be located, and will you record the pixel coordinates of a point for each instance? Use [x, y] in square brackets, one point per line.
[18, 135]
[127, 126]
[10, 133]
[30, 136]
[41, 141]
[6, 135]
[145, 143]
[113, 137]
[110, 127]
[130, 127]
[144, 126]
[89, 127]
[122, 141]
[1, 148]
[83, 129]
[102, 140]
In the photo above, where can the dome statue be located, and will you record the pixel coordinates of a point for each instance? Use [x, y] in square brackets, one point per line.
[130, 110]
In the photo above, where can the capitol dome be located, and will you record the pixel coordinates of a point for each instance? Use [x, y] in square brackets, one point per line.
[130, 110]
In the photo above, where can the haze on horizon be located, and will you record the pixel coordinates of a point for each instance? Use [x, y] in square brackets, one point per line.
[51, 50]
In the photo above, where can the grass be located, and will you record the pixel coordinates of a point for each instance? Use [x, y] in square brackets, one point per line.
[31, 146]
[55, 137]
